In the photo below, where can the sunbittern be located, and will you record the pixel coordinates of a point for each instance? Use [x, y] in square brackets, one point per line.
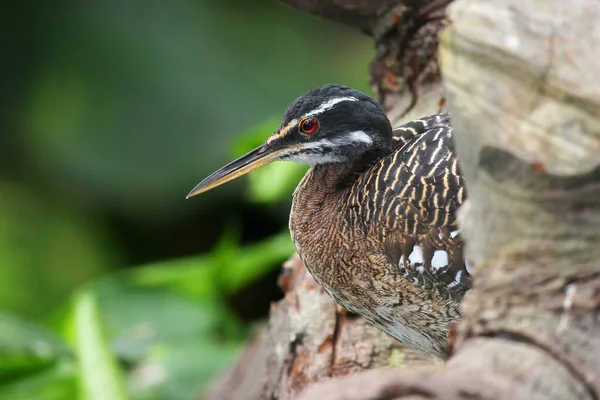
[374, 218]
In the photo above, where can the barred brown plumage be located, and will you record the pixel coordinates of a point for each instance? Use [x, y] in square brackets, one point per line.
[418, 189]
[374, 219]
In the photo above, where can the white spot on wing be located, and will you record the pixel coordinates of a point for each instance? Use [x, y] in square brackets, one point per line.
[401, 262]
[440, 259]
[454, 234]
[458, 277]
[328, 105]
[417, 255]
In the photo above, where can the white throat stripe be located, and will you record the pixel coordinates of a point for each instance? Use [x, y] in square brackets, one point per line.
[328, 105]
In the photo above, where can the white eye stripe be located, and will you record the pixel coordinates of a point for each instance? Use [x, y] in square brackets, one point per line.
[347, 139]
[360, 136]
[416, 256]
[328, 105]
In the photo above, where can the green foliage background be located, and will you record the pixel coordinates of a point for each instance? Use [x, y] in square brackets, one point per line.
[112, 285]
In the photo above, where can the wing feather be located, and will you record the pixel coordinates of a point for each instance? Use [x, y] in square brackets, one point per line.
[411, 197]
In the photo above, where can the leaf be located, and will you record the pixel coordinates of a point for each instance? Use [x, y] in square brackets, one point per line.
[173, 343]
[34, 363]
[26, 348]
[193, 276]
[138, 318]
[98, 372]
[167, 320]
[275, 182]
[227, 268]
[181, 370]
[254, 260]
[56, 383]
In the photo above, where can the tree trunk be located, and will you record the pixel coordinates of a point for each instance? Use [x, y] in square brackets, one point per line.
[522, 82]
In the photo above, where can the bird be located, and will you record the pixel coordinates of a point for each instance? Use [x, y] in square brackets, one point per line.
[374, 217]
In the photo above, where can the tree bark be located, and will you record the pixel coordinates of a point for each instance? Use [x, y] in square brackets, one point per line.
[521, 79]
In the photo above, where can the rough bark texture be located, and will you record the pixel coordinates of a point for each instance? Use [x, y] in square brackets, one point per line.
[523, 86]
[405, 71]
[525, 95]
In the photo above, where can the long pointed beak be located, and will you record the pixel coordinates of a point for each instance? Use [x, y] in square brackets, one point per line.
[246, 163]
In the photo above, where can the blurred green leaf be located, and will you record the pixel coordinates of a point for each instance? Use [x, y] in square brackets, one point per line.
[275, 182]
[173, 343]
[252, 261]
[56, 383]
[194, 276]
[26, 349]
[272, 182]
[169, 321]
[166, 320]
[34, 363]
[197, 277]
[138, 318]
[180, 371]
[226, 269]
[98, 371]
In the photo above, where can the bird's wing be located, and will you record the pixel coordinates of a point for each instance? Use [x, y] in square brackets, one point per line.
[412, 197]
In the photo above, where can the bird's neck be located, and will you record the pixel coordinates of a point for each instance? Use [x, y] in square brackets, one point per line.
[325, 185]
[329, 179]
[315, 216]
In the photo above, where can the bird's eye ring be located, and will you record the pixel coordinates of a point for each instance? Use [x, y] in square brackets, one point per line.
[308, 126]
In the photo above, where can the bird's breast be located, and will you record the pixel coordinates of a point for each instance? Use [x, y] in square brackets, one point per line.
[318, 235]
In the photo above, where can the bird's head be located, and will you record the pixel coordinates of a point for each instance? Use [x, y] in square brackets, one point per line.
[330, 124]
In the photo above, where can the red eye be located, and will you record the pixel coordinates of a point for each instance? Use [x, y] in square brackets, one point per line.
[309, 125]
